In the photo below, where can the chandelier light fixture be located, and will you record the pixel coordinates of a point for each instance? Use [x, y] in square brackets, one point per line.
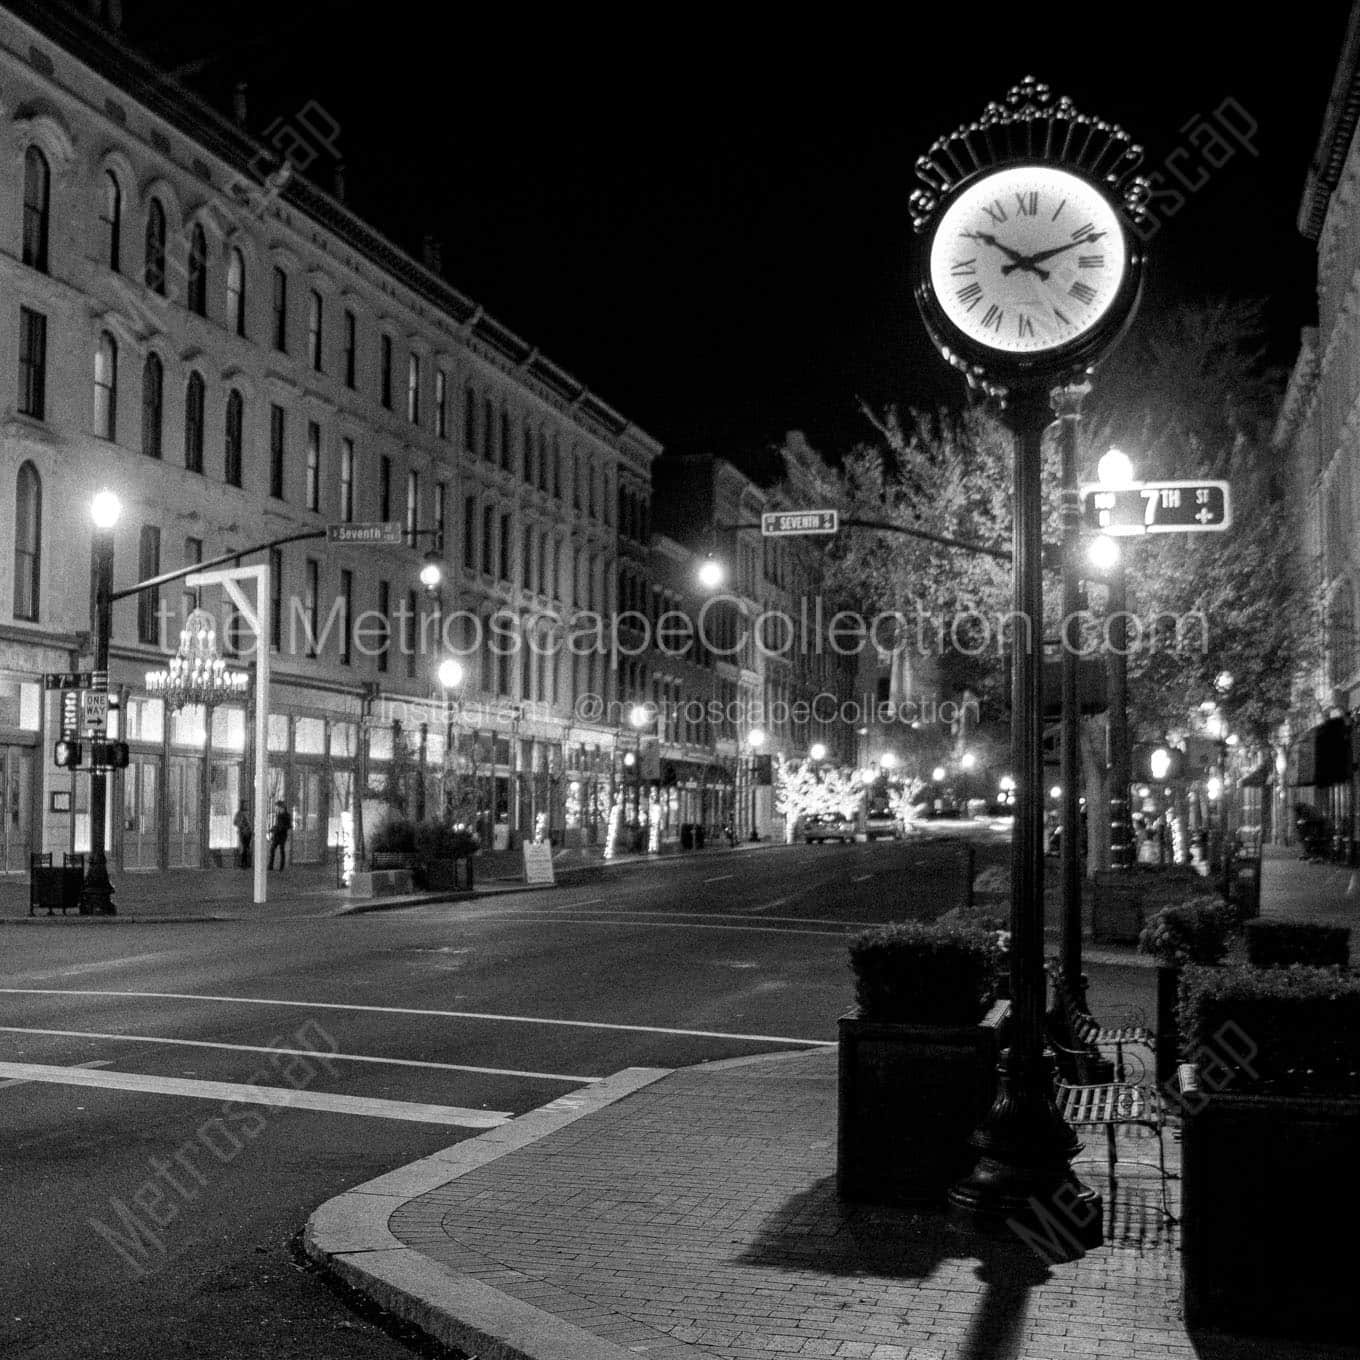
[196, 674]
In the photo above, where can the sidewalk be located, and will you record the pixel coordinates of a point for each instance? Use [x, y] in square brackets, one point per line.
[1294, 889]
[690, 1214]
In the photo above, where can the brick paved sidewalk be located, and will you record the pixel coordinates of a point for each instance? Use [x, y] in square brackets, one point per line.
[697, 1217]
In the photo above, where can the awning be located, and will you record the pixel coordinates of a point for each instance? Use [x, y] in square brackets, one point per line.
[1322, 756]
[694, 772]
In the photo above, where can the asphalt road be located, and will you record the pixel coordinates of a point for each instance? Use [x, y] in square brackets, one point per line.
[151, 1195]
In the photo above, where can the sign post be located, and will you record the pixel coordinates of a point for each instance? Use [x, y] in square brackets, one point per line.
[1139, 508]
[786, 523]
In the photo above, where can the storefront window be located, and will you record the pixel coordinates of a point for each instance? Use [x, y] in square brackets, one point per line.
[342, 740]
[224, 794]
[434, 747]
[380, 743]
[278, 732]
[229, 729]
[146, 720]
[309, 737]
[20, 705]
[188, 726]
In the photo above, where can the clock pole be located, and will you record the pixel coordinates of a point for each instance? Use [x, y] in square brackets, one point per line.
[1023, 1176]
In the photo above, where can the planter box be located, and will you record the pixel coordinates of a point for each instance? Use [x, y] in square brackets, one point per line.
[909, 1098]
[381, 883]
[1268, 1186]
[444, 874]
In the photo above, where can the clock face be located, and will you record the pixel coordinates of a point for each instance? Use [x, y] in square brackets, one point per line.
[1027, 259]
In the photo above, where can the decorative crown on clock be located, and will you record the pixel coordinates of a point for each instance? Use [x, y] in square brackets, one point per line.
[1031, 125]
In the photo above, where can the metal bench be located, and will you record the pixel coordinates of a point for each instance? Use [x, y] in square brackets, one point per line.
[1089, 1038]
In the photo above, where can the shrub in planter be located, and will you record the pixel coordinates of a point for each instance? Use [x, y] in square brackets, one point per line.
[396, 836]
[916, 973]
[1193, 931]
[442, 840]
[1271, 1121]
[1274, 944]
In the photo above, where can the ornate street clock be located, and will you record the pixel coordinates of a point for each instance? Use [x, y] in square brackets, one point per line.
[1030, 265]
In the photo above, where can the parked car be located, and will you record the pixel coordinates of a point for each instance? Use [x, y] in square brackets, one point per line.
[880, 824]
[819, 828]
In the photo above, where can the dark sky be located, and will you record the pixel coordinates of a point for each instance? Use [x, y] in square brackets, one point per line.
[704, 217]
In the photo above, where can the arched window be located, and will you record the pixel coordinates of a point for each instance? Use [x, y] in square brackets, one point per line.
[193, 423]
[1341, 641]
[507, 454]
[236, 292]
[106, 387]
[111, 220]
[235, 437]
[153, 405]
[528, 468]
[37, 201]
[469, 420]
[155, 247]
[198, 272]
[488, 430]
[27, 542]
[543, 456]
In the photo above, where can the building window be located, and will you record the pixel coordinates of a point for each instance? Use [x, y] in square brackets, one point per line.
[469, 420]
[469, 532]
[441, 404]
[32, 364]
[153, 406]
[505, 548]
[313, 490]
[315, 317]
[384, 488]
[280, 310]
[507, 456]
[413, 389]
[351, 348]
[544, 460]
[346, 606]
[347, 480]
[408, 626]
[559, 478]
[198, 272]
[385, 371]
[385, 611]
[526, 566]
[488, 539]
[440, 509]
[412, 506]
[193, 423]
[235, 437]
[488, 430]
[276, 598]
[149, 601]
[111, 220]
[528, 469]
[27, 542]
[277, 431]
[37, 202]
[155, 247]
[311, 592]
[193, 554]
[236, 292]
[106, 387]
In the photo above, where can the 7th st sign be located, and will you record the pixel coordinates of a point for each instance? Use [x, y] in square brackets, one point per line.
[1138, 508]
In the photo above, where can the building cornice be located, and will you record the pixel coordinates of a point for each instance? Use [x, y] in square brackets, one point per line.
[1338, 131]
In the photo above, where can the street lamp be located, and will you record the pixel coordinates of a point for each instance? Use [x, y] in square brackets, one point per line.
[817, 751]
[638, 718]
[711, 573]
[755, 740]
[96, 893]
[888, 760]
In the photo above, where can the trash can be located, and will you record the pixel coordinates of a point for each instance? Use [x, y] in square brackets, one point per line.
[55, 887]
[687, 835]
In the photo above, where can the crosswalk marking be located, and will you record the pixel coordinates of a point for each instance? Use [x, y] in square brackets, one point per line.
[416, 1010]
[325, 1055]
[23, 1081]
[246, 1093]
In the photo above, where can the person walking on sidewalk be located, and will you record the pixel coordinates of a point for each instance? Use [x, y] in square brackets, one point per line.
[245, 833]
[278, 833]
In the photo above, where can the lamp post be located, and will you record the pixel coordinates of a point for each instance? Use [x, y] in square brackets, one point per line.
[755, 741]
[966, 762]
[638, 718]
[96, 893]
[450, 677]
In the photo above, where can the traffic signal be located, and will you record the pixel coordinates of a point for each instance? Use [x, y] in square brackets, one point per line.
[66, 754]
[1156, 762]
[112, 755]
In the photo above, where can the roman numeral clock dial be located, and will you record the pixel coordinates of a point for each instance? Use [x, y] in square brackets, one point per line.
[1027, 260]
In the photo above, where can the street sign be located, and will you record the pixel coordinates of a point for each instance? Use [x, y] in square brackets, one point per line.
[94, 712]
[378, 532]
[779, 523]
[60, 680]
[1156, 508]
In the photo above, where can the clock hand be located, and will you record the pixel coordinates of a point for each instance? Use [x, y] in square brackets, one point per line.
[1029, 261]
[983, 236]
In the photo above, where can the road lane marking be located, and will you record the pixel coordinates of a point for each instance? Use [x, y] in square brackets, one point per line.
[245, 1093]
[110, 963]
[325, 1055]
[648, 914]
[719, 878]
[687, 925]
[861, 878]
[93, 1062]
[764, 906]
[416, 1010]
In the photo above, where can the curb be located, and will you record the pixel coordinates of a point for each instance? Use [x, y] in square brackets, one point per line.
[348, 1236]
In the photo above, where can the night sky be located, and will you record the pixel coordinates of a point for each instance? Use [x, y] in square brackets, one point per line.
[705, 219]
